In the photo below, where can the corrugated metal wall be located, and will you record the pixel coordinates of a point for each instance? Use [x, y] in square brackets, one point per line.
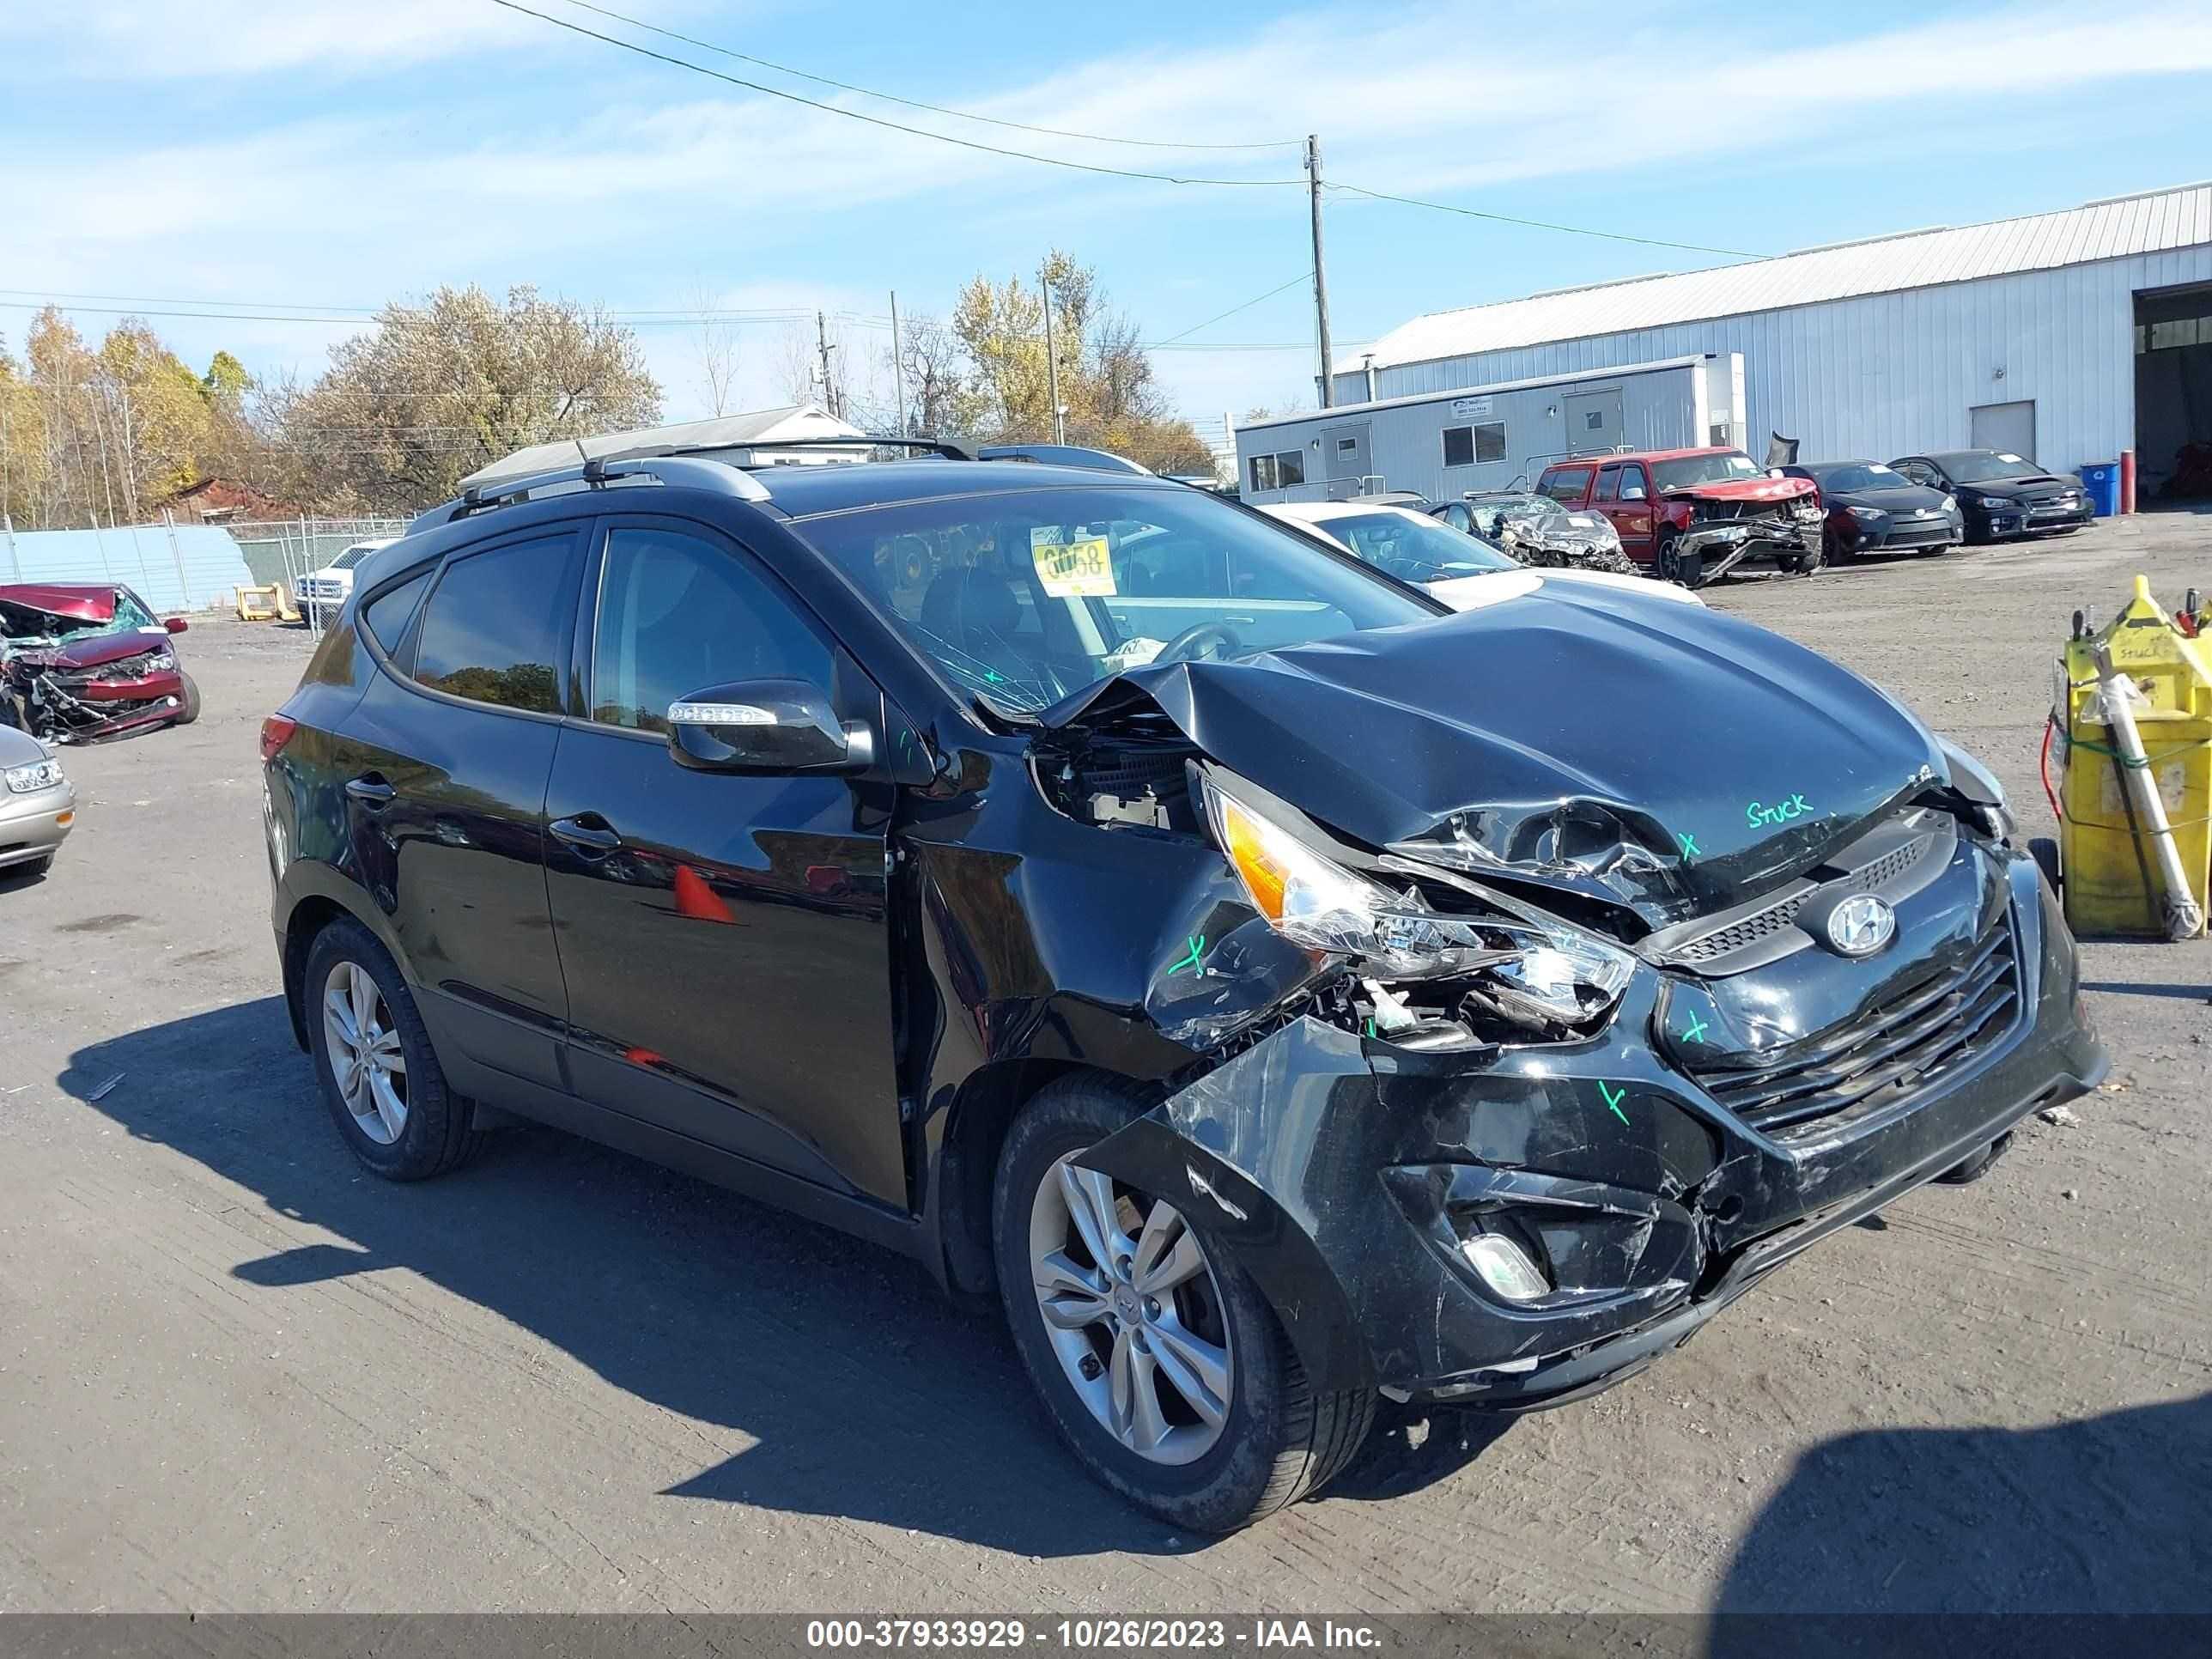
[1886, 374]
[180, 569]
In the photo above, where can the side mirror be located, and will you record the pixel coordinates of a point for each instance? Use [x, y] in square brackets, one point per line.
[771, 726]
[175, 624]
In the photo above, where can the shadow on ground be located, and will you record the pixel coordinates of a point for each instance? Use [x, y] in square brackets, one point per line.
[868, 1393]
[2105, 1515]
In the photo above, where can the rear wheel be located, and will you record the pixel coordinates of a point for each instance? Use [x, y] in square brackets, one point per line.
[379, 1075]
[1158, 1359]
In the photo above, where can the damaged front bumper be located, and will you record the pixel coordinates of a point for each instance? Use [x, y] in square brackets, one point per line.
[1347, 1176]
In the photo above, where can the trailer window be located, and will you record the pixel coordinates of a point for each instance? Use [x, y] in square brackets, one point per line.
[1279, 470]
[1471, 446]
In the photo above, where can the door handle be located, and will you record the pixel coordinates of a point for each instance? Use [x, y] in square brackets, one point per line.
[370, 791]
[585, 837]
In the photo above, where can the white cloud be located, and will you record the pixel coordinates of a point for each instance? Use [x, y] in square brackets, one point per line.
[398, 193]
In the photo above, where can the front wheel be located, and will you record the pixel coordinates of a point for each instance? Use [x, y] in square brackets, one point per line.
[1683, 569]
[1160, 1362]
[188, 701]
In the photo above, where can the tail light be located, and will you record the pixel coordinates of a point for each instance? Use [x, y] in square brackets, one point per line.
[276, 732]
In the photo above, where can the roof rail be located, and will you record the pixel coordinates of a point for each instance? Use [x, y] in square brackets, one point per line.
[944, 446]
[671, 469]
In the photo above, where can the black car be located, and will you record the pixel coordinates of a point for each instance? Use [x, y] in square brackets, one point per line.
[1873, 508]
[2001, 494]
[1279, 992]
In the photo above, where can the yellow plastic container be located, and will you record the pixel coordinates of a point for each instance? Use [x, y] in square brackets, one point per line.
[2111, 883]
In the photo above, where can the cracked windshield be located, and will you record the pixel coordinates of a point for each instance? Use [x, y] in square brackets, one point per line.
[1025, 598]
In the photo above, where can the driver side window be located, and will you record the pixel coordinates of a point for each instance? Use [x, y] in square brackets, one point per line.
[677, 614]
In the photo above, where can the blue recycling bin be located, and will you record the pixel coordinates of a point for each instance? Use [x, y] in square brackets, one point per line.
[2101, 479]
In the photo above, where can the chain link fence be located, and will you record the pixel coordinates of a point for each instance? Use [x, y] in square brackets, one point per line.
[282, 551]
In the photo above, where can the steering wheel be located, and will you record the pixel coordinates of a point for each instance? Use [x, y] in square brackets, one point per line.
[1184, 646]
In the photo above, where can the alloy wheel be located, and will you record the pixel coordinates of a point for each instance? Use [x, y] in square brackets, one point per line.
[366, 1060]
[1133, 1312]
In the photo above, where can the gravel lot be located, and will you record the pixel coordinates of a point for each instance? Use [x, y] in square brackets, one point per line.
[237, 1374]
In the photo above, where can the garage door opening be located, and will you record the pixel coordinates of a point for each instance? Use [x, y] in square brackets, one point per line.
[2173, 394]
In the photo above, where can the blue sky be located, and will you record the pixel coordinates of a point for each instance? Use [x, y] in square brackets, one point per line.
[340, 153]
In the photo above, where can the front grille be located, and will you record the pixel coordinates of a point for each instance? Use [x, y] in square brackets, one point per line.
[1918, 1034]
[1748, 931]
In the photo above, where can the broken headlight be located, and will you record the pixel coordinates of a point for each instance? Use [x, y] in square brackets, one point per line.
[1531, 964]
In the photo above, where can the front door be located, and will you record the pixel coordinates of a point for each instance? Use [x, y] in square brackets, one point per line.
[2009, 429]
[1344, 449]
[1624, 496]
[723, 937]
[1594, 421]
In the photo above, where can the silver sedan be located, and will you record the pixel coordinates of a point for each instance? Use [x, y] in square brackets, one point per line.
[38, 803]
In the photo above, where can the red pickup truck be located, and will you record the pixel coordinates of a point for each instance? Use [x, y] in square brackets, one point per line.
[1688, 516]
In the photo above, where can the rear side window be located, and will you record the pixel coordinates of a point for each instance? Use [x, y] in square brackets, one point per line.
[389, 612]
[1565, 485]
[496, 629]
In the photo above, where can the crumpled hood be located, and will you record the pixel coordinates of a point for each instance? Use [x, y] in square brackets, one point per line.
[76, 601]
[1745, 489]
[1643, 752]
[97, 648]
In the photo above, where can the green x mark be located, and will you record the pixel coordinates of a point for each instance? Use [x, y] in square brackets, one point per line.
[1613, 1099]
[1689, 844]
[1190, 961]
[1694, 1031]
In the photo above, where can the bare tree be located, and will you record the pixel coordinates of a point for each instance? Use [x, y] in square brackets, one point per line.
[798, 366]
[715, 343]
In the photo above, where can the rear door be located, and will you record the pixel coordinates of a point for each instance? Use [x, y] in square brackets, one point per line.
[445, 759]
[723, 937]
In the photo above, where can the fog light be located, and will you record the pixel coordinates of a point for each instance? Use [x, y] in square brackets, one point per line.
[1505, 1266]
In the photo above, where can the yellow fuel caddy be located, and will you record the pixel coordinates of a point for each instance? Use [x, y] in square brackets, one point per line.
[2112, 882]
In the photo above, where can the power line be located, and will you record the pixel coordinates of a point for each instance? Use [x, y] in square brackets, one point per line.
[1538, 224]
[40, 297]
[915, 103]
[1233, 310]
[878, 121]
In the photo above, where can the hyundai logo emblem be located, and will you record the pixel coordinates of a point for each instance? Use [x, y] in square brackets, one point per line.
[1860, 926]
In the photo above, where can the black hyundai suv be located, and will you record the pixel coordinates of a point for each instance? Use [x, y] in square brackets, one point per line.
[1280, 992]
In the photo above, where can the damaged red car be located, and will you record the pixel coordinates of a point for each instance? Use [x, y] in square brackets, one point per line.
[80, 661]
[1692, 515]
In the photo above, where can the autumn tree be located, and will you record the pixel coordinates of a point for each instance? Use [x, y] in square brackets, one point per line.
[435, 390]
[1108, 387]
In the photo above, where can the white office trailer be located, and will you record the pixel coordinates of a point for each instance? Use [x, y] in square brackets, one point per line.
[2068, 337]
[1443, 444]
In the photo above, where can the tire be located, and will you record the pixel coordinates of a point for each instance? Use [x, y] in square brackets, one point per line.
[434, 1132]
[2045, 851]
[190, 710]
[1278, 1439]
[1831, 550]
[1684, 572]
[1809, 562]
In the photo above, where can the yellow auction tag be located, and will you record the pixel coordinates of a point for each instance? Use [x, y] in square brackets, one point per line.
[1077, 567]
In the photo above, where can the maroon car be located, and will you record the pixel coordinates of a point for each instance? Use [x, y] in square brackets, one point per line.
[84, 661]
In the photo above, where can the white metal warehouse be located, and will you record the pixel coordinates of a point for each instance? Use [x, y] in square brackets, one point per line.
[2068, 337]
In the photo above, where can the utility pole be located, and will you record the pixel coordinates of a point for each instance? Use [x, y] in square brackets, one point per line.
[1051, 358]
[822, 345]
[1320, 273]
[898, 366]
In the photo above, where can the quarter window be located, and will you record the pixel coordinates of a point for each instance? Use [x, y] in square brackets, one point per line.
[495, 629]
[1566, 485]
[678, 615]
[387, 613]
